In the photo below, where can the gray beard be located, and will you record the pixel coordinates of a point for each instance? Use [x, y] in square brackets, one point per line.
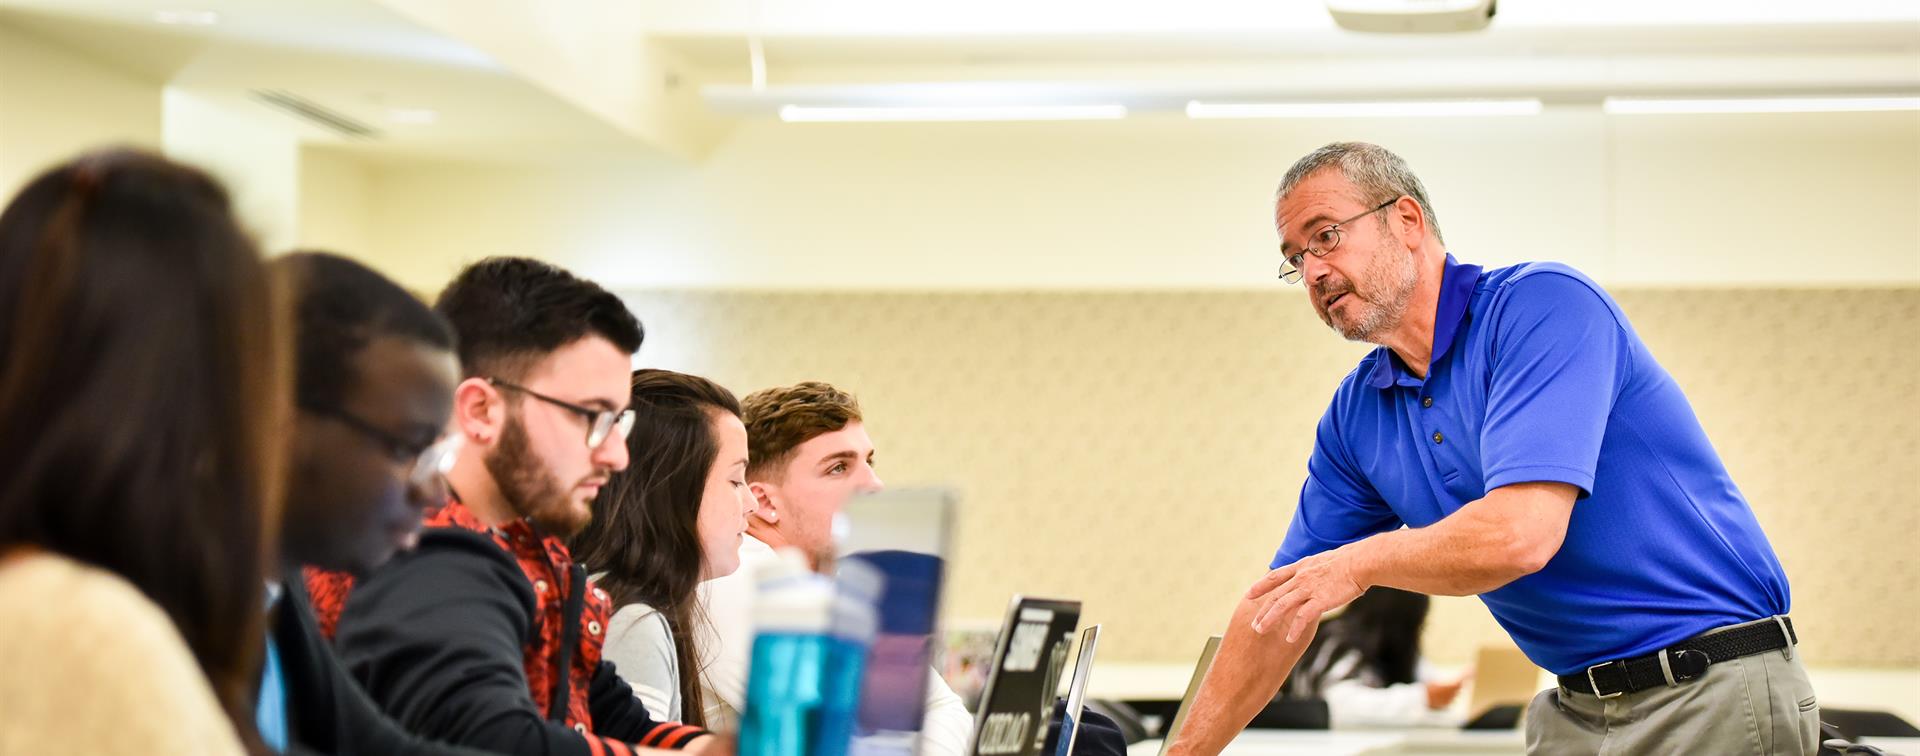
[1385, 306]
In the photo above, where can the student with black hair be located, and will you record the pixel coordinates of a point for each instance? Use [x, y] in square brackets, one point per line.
[374, 374]
[488, 634]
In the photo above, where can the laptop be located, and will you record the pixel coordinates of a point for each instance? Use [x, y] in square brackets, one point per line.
[1077, 693]
[1504, 681]
[904, 534]
[908, 519]
[1017, 703]
[1193, 690]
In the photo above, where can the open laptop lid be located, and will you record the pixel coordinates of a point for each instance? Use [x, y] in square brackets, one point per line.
[1502, 676]
[904, 534]
[1017, 703]
[906, 519]
[1193, 689]
[1077, 692]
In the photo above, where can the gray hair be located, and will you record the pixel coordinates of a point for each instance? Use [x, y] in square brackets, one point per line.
[1377, 173]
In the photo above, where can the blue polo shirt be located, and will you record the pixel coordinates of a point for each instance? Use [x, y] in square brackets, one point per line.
[1537, 376]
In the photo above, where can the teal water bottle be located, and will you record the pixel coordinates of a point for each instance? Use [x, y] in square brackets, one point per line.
[854, 621]
[791, 611]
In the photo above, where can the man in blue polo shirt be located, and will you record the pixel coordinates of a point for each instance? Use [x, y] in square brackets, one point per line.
[1537, 456]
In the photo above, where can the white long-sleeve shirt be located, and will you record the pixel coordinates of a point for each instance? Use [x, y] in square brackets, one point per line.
[727, 637]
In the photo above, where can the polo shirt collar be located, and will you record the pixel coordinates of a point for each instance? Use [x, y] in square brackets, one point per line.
[1457, 282]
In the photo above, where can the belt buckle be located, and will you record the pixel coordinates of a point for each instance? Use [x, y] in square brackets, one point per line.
[1596, 683]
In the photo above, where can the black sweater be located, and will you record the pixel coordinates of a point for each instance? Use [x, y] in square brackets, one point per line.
[436, 638]
[327, 713]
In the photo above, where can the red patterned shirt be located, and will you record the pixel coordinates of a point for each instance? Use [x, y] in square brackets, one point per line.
[550, 570]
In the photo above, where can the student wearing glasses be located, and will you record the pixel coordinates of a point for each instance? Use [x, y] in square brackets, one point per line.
[488, 634]
[1539, 457]
[374, 372]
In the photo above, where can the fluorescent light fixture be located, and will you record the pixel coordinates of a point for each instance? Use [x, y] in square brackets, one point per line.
[812, 114]
[1388, 109]
[1638, 105]
[413, 116]
[181, 17]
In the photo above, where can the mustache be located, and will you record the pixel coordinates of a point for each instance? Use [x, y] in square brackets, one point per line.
[1323, 290]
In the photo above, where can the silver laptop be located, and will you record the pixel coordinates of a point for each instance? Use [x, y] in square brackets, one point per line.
[905, 535]
[1193, 689]
[1077, 692]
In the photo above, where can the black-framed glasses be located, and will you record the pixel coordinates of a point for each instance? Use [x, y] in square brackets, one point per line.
[430, 459]
[600, 423]
[1324, 241]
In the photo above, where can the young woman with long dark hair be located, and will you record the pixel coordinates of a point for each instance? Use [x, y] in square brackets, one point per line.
[141, 381]
[672, 519]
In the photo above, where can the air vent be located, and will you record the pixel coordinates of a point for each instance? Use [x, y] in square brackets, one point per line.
[314, 113]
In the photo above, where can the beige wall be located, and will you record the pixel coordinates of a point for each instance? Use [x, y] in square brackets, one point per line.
[256, 158]
[334, 210]
[1788, 200]
[1070, 336]
[55, 103]
[1064, 321]
[1143, 450]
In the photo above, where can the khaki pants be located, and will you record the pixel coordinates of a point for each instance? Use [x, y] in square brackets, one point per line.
[1760, 704]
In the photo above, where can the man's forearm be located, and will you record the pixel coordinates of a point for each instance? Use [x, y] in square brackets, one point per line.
[1246, 672]
[1434, 563]
[1487, 544]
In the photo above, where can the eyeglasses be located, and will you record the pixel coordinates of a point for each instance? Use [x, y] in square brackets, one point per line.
[600, 423]
[430, 460]
[1324, 242]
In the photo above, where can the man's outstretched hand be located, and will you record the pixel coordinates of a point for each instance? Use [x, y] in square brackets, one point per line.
[1300, 593]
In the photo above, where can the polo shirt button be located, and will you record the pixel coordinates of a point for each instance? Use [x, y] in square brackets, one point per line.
[1426, 402]
[593, 627]
[580, 728]
[540, 586]
[1437, 438]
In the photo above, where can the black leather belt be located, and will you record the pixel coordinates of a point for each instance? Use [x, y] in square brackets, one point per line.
[1681, 661]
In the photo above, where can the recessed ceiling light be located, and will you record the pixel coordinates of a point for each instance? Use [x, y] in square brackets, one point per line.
[803, 113]
[1387, 109]
[1635, 106]
[181, 17]
[413, 116]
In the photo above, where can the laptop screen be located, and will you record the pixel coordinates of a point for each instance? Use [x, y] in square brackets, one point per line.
[902, 534]
[1077, 692]
[1017, 703]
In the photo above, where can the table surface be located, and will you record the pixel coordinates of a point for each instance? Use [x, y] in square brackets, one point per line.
[1413, 741]
[1909, 746]
[1364, 743]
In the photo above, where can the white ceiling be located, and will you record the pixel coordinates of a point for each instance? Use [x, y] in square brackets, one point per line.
[568, 77]
[356, 29]
[353, 57]
[1157, 56]
[1106, 17]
